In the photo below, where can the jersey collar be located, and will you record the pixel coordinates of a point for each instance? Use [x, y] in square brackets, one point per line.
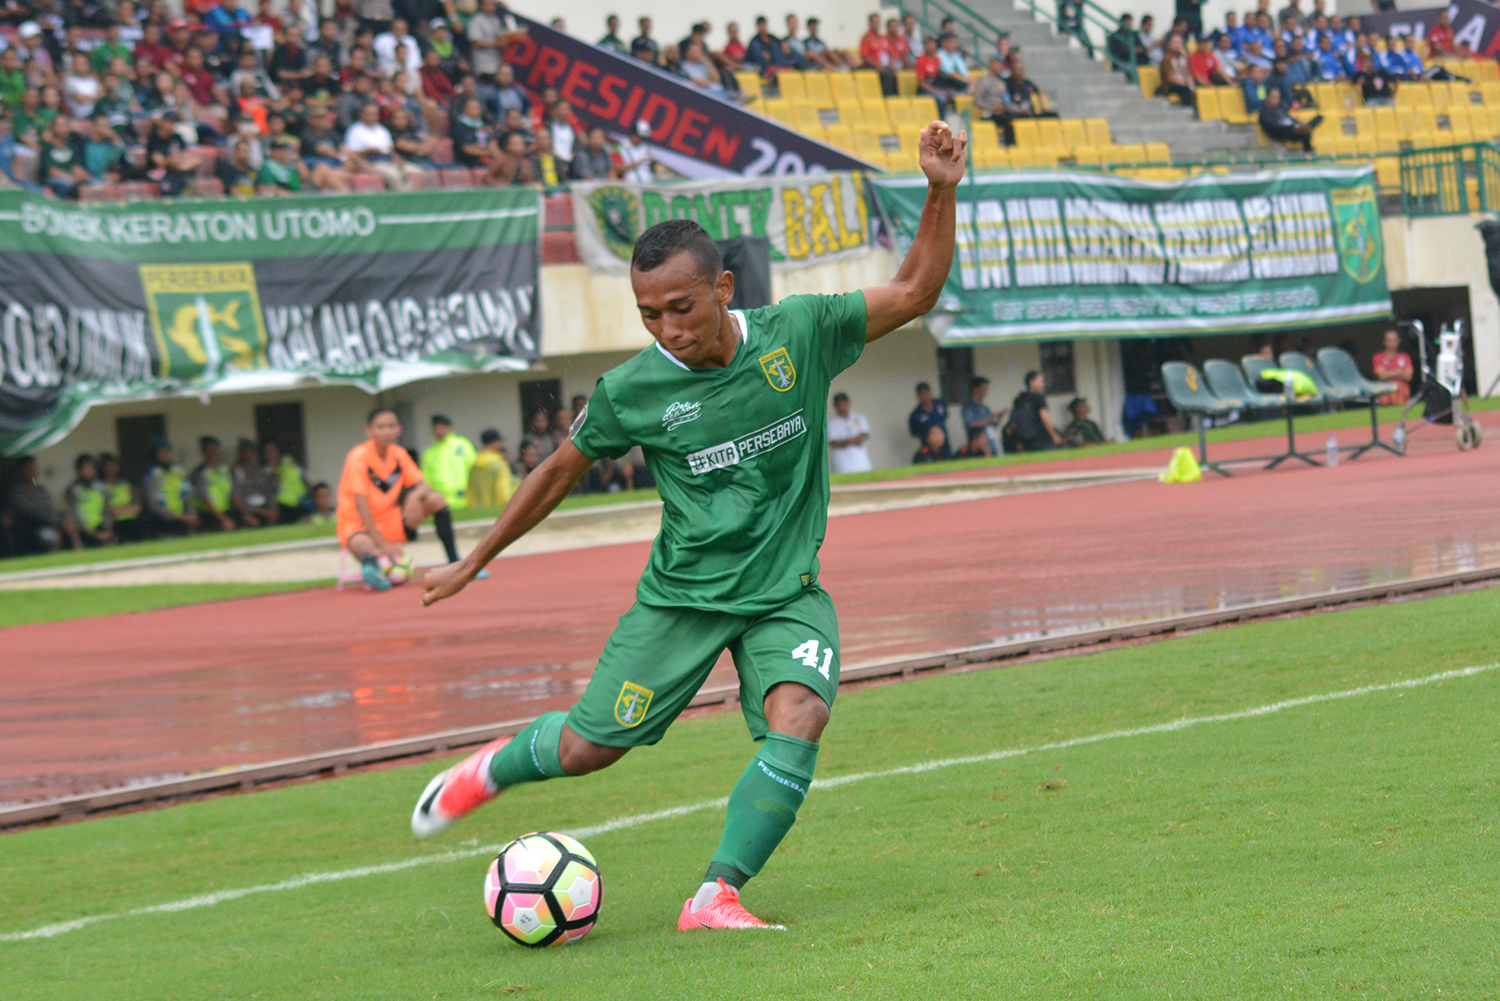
[739, 317]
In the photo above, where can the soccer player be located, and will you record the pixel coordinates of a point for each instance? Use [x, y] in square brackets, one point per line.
[381, 495]
[730, 409]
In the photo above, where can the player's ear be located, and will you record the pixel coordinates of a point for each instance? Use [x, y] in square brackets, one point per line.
[724, 287]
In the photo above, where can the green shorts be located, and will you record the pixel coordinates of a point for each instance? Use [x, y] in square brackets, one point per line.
[657, 658]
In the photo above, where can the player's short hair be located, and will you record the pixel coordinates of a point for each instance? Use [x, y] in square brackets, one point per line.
[207, 440]
[840, 398]
[442, 419]
[666, 240]
[1031, 374]
[489, 436]
[922, 385]
[977, 381]
[79, 462]
[377, 411]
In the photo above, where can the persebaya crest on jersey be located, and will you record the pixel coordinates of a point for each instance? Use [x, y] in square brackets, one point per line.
[631, 706]
[779, 371]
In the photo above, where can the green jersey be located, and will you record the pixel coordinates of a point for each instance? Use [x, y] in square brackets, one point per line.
[739, 453]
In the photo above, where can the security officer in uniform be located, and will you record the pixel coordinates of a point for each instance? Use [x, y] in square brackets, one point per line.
[447, 461]
[124, 511]
[89, 506]
[213, 486]
[291, 486]
[168, 493]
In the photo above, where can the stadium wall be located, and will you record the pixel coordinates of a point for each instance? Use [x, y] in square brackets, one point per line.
[1443, 252]
[843, 20]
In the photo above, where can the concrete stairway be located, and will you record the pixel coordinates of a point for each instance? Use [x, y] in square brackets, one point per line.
[1080, 87]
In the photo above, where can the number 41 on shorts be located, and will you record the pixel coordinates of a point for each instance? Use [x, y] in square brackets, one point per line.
[808, 654]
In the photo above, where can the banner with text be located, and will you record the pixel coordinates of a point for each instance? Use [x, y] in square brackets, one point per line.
[113, 301]
[694, 132]
[1063, 255]
[807, 219]
[1476, 24]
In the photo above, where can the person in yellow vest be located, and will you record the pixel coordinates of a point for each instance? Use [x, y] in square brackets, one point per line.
[168, 493]
[291, 484]
[212, 487]
[446, 462]
[124, 510]
[490, 482]
[88, 506]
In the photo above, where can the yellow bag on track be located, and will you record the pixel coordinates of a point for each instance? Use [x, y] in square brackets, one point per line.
[1183, 468]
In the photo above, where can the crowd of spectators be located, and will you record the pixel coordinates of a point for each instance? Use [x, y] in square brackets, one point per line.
[264, 486]
[283, 100]
[1275, 60]
[1026, 426]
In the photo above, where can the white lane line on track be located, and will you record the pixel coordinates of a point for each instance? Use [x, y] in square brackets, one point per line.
[639, 819]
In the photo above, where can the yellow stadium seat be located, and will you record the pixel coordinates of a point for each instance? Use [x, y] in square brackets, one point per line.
[867, 142]
[1406, 122]
[792, 84]
[876, 158]
[1414, 95]
[900, 114]
[866, 85]
[924, 108]
[906, 83]
[1232, 104]
[1027, 135]
[962, 102]
[1388, 172]
[805, 118]
[1487, 70]
[1458, 116]
[1419, 46]
[1364, 145]
[816, 87]
[1098, 131]
[1075, 136]
[1490, 91]
[1459, 91]
[903, 161]
[984, 135]
[1425, 140]
[1364, 121]
[1150, 80]
[779, 109]
[1387, 144]
[1208, 104]
[990, 158]
[841, 87]
[1347, 96]
[1439, 94]
[1158, 153]
[1049, 131]
[1133, 153]
[1044, 157]
[1088, 156]
[854, 113]
[1385, 122]
[749, 83]
[839, 136]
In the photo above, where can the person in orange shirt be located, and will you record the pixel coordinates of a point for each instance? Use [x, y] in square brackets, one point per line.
[381, 495]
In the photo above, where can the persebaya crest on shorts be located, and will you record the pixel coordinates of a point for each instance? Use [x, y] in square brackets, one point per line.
[739, 453]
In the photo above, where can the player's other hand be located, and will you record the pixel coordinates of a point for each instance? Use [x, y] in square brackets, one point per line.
[444, 582]
[940, 154]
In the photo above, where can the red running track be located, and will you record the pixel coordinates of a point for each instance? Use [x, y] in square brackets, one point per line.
[100, 702]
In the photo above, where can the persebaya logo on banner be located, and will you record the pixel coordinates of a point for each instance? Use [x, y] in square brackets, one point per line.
[1358, 222]
[205, 317]
[617, 213]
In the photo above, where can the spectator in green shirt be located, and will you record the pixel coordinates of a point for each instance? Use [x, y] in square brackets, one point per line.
[31, 119]
[109, 50]
[60, 161]
[103, 153]
[282, 172]
[237, 174]
[12, 79]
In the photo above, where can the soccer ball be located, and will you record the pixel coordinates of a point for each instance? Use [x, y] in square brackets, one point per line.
[399, 571]
[543, 889]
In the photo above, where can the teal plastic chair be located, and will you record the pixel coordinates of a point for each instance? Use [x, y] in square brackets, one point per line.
[1296, 361]
[1342, 373]
[1188, 391]
[1228, 382]
[1253, 366]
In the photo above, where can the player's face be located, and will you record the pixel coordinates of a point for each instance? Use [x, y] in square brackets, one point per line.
[384, 429]
[681, 307]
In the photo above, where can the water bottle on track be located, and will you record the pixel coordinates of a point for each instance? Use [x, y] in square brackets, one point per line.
[1333, 449]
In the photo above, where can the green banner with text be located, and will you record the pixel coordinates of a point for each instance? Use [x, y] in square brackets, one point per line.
[102, 302]
[1075, 254]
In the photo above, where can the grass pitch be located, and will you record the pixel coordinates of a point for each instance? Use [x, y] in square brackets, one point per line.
[1340, 848]
[61, 604]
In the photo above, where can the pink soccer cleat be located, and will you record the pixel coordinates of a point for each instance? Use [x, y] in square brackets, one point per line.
[455, 792]
[724, 912]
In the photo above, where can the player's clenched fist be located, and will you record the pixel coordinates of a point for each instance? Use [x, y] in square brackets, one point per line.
[941, 154]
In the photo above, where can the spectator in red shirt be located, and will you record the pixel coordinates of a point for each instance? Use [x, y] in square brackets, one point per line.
[1204, 66]
[902, 57]
[734, 50]
[150, 48]
[1394, 365]
[199, 80]
[875, 49]
[926, 64]
[435, 83]
[1440, 43]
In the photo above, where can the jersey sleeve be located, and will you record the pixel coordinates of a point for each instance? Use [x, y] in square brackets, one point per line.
[597, 431]
[354, 481]
[410, 474]
[839, 326]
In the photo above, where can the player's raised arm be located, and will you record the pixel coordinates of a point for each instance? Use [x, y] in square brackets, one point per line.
[914, 289]
[541, 491]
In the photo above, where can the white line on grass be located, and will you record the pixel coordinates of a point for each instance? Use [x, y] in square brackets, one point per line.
[639, 819]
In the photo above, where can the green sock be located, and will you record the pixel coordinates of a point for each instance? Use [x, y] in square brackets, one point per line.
[763, 807]
[532, 755]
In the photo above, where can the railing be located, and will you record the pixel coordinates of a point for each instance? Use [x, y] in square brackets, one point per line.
[983, 35]
[1451, 180]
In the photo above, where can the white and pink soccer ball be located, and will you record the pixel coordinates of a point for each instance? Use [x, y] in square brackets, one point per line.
[543, 889]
